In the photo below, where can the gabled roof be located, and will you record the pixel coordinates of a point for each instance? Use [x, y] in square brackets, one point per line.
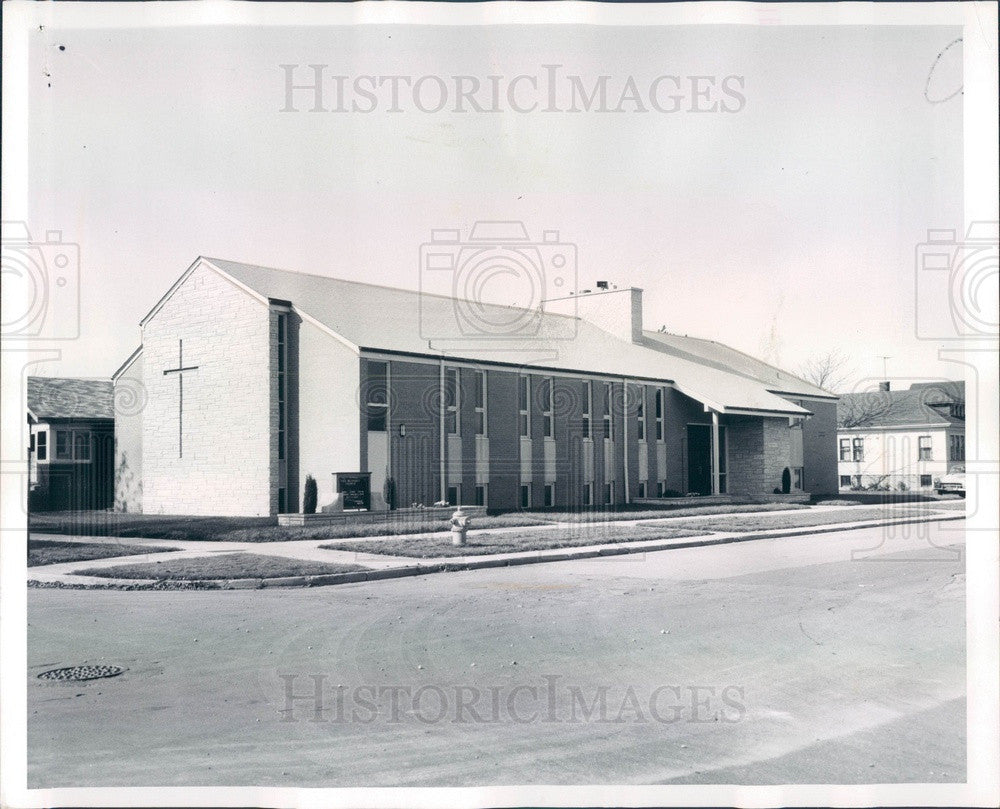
[924, 404]
[65, 398]
[386, 319]
[722, 356]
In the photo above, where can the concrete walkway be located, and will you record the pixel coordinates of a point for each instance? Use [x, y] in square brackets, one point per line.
[310, 550]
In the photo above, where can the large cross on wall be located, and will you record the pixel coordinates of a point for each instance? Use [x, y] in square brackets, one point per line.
[180, 370]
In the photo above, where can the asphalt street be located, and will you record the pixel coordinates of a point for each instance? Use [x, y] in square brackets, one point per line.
[828, 658]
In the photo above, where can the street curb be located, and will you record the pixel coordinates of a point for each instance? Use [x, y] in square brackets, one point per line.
[591, 552]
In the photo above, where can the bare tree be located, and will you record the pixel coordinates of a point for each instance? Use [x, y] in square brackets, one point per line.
[864, 409]
[828, 371]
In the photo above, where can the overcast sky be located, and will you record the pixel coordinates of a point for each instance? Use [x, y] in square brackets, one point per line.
[787, 228]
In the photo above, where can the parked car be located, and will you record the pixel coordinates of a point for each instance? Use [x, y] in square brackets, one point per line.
[952, 483]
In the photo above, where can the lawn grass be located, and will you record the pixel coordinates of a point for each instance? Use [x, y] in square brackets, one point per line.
[265, 529]
[767, 522]
[221, 566]
[485, 542]
[52, 552]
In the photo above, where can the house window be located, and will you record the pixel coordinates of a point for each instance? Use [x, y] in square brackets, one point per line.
[856, 482]
[609, 493]
[606, 410]
[845, 481]
[81, 446]
[550, 494]
[956, 447]
[525, 496]
[282, 385]
[281, 500]
[797, 478]
[452, 395]
[926, 481]
[588, 407]
[958, 411]
[377, 404]
[588, 494]
[454, 494]
[42, 446]
[642, 488]
[64, 445]
[859, 449]
[524, 413]
[845, 449]
[640, 416]
[659, 414]
[659, 488]
[548, 421]
[480, 495]
[924, 448]
[480, 403]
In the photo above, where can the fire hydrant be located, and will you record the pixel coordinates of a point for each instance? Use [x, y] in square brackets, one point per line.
[459, 526]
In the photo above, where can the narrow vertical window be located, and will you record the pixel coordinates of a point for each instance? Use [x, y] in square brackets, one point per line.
[606, 410]
[640, 415]
[524, 400]
[282, 383]
[42, 446]
[377, 396]
[480, 404]
[925, 448]
[452, 396]
[845, 449]
[548, 420]
[659, 414]
[858, 448]
[550, 495]
[588, 408]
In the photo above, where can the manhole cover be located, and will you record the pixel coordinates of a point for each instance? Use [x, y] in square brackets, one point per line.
[81, 673]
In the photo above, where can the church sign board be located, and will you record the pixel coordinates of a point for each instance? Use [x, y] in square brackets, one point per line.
[355, 488]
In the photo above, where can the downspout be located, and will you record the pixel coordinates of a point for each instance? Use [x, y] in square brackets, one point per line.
[443, 493]
[628, 498]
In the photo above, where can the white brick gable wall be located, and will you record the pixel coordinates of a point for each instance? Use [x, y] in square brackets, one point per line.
[227, 456]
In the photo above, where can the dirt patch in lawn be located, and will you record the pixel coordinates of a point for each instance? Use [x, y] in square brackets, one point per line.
[222, 566]
[769, 522]
[485, 542]
[52, 552]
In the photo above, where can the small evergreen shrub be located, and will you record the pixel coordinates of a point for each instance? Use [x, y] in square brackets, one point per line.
[309, 496]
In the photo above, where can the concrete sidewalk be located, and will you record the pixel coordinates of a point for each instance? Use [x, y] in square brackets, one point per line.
[383, 566]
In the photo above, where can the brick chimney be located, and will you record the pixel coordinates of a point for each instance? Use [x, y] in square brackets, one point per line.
[617, 311]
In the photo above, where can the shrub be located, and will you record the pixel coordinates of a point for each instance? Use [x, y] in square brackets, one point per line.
[309, 496]
[389, 492]
[786, 481]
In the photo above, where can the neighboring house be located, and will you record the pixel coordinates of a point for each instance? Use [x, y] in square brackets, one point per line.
[253, 378]
[71, 425]
[901, 440]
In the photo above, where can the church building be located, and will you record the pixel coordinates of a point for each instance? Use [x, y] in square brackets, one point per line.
[254, 378]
